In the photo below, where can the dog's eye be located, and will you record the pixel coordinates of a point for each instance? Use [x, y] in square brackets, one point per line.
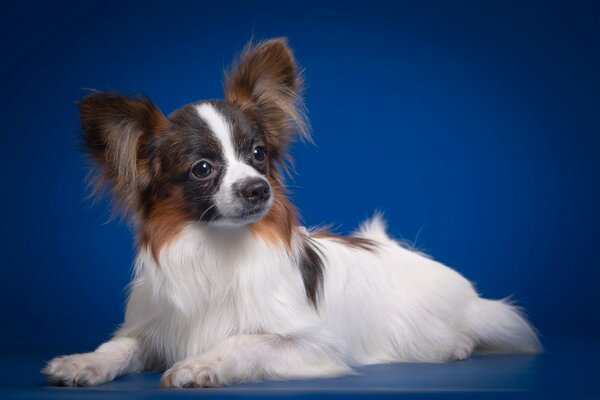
[259, 153]
[202, 170]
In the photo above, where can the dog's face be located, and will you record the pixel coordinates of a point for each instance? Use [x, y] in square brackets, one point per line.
[210, 161]
[216, 156]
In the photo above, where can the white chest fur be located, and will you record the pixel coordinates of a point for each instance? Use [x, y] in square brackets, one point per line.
[211, 286]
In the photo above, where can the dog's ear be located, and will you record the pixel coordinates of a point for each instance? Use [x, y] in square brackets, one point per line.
[265, 82]
[116, 133]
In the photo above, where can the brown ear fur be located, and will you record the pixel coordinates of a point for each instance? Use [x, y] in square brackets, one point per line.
[266, 83]
[115, 128]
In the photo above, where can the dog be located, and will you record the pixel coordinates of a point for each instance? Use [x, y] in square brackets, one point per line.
[227, 286]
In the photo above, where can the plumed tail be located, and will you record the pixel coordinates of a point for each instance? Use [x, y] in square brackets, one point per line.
[499, 327]
[373, 228]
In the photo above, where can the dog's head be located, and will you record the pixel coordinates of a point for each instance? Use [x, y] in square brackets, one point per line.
[213, 161]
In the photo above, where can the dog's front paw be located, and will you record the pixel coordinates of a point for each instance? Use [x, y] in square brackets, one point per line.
[77, 370]
[193, 373]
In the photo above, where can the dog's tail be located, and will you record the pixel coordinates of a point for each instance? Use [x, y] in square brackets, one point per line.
[500, 327]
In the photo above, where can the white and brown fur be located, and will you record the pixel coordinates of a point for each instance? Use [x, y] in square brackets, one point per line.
[228, 288]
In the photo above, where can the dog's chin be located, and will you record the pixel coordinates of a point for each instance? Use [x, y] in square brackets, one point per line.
[241, 219]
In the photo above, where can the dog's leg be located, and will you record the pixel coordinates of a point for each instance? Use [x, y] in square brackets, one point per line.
[261, 356]
[116, 357]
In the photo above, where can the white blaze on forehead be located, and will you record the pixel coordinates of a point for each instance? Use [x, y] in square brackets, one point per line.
[226, 199]
[219, 127]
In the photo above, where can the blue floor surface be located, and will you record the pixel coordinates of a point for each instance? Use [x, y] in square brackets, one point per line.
[567, 369]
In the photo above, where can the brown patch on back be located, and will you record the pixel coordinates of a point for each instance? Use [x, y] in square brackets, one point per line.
[278, 225]
[164, 222]
[351, 241]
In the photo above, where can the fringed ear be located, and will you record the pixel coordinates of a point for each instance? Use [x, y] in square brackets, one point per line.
[266, 83]
[116, 131]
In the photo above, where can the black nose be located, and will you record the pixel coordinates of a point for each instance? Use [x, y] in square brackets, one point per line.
[255, 190]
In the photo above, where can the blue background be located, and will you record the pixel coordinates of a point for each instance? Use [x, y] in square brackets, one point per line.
[473, 125]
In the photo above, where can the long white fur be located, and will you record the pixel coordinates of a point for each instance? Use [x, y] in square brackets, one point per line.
[225, 305]
[215, 315]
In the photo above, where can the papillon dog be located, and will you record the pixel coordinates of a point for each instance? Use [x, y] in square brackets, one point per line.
[227, 286]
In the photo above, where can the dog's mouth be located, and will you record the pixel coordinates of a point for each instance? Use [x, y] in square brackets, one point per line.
[253, 212]
[244, 217]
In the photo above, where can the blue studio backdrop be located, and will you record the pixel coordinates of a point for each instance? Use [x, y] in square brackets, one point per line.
[473, 125]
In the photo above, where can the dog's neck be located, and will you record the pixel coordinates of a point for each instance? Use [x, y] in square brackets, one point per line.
[203, 265]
